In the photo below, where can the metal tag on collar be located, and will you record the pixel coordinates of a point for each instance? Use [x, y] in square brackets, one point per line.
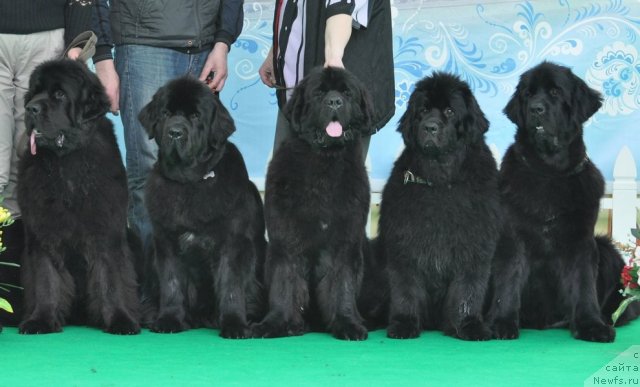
[209, 175]
[409, 177]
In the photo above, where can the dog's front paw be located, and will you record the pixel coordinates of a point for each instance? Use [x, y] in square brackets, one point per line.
[403, 330]
[350, 331]
[597, 332]
[39, 326]
[472, 329]
[270, 327]
[505, 329]
[167, 324]
[122, 324]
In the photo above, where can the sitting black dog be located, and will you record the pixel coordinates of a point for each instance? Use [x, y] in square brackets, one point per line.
[72, 190]
[440, 215]
[206, 214]
[316, 205]
[552, 192]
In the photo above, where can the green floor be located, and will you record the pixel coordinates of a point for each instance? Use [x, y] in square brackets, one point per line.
[83, 356]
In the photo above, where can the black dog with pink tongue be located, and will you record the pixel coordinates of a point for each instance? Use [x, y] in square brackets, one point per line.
[316, 204]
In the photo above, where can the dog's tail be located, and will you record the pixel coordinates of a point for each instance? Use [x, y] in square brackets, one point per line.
[610, 267]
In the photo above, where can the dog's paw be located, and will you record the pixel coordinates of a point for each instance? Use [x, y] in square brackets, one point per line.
[403, 330]
[122, 324]
[35, 327]
[270, 328]
[235, 331]
[472, 329]
[505, 329]
[350, 331]
[167, 324]
[600, 333]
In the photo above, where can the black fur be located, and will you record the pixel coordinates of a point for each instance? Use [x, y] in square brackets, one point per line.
[316, 205]
[438, 234]
[552, 192]
[77, 264]
[206, 214]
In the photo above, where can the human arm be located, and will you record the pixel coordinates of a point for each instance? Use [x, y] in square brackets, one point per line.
[229, 26]
[266, 70]
[103, 58]
[342, 15]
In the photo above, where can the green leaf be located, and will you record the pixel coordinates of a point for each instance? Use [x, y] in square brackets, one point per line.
[4, 304]
[622, 307]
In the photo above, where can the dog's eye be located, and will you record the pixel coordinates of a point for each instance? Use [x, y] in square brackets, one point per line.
[425, 109]
[449, 112]
[164, 113]
[194, 116]
[554, 92]
[59, 94]
[347, 93]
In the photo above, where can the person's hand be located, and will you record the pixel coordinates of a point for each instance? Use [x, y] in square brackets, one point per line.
[106, 72]
[216, 62]
[266, 70]
[74, 53]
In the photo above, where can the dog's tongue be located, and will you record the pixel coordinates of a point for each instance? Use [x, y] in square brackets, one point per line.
[32, 142]
[334, 129]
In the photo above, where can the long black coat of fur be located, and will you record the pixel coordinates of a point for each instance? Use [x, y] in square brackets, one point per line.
[440, 216]
[316, 204]
[77, 264]
[552, 192]
[207, 216]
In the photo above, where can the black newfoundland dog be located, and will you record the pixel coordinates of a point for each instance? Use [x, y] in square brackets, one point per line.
[207, 216]
[316, 205]
[72, 190]
[440, 216]
[552, 192]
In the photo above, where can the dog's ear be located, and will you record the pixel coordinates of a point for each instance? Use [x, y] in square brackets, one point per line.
[221, 125]
[94, 97]
[150, 114]
[476, 123]
[293, 110]
[417, 100]
[513, 110]
[366, 109]
[585, 100]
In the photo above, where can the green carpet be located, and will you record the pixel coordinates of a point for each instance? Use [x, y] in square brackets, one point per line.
[83, 356]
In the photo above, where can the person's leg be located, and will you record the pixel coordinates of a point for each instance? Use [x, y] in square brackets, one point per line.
[142, 70]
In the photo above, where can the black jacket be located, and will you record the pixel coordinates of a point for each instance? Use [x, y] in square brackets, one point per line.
[182, 24]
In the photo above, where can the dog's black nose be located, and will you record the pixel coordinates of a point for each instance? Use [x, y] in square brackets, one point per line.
[175, 133]
[537, 108]
[33, 108]
[431, 127]
[334, 102]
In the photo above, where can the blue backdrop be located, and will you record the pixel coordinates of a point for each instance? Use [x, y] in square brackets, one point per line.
[489, 44]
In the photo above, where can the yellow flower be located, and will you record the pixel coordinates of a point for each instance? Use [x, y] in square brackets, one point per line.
[5, 215]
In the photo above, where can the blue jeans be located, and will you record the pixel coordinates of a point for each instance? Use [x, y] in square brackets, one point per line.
[142, 70]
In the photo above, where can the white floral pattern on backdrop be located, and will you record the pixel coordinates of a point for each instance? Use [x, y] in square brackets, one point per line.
[489, 44]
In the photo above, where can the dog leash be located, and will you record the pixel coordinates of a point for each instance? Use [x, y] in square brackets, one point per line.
[87, 41]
